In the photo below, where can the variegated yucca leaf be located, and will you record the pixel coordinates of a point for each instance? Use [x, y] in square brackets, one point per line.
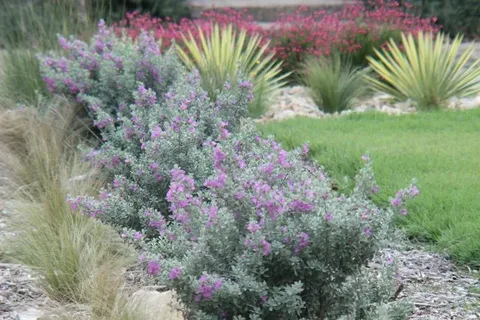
[426, 71]
[227, 55]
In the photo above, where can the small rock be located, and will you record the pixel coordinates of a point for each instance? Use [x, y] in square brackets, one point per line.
[390, 110]
[469, 103]
[404, 105]
[285, 115]
[161, 303]
[30, 314]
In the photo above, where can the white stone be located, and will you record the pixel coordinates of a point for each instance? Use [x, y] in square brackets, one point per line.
[30, 314]
[390, 110]
[404, 105]
[157, 305]
[286, 114]
[469, 103]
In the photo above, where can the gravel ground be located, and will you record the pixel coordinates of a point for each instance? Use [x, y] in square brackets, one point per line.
[295, 101]
[438, 288]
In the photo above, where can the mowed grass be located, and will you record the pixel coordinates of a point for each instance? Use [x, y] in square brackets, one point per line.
[441, 150]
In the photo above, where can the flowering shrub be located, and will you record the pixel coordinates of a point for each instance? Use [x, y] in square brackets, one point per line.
[103, 75]
[149, 138]
[353, 31]
[239, 227]
[266, 237]
[167, 31]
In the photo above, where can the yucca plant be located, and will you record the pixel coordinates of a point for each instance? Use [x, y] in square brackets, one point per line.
[334, 83]
[226, 55]
[426, 70]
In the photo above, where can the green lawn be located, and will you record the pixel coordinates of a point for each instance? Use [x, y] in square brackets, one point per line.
[441, 150]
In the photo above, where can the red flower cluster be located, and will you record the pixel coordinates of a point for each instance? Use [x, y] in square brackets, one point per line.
[354, 31]
[167, 31]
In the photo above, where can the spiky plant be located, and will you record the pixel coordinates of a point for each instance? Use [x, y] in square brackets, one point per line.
[426, 70]
[334, 83]
[225, 55]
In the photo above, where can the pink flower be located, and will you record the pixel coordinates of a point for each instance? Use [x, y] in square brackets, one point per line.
[390, 259]
[267, 247]
[301, 206]
[328, 216]
[414, 191]
[253, 227]
[175, 273]
[367, 231]
[156, 132]
[303, 242]
[217, 284]
[153, 268]
[305, 149]
[219, 156]
[396, 202]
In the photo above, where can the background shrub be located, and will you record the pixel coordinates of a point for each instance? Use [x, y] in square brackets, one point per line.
[455, 16]
[174, 9]
[334, 83]
[168, 31]
[353, 31]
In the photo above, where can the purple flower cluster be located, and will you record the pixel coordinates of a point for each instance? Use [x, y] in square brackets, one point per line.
[402, 196]
[175, 273]
[153, 268]
[207, 288]
[96, 72]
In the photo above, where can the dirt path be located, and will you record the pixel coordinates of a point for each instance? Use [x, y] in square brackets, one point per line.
[439, 289]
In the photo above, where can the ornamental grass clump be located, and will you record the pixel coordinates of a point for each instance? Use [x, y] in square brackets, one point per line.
[334, 83]
[78, 260]
[227, 55]
[265, 237]
[427, 70]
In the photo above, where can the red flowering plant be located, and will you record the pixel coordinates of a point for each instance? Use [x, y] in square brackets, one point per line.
[354, 31]
[166, 31]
